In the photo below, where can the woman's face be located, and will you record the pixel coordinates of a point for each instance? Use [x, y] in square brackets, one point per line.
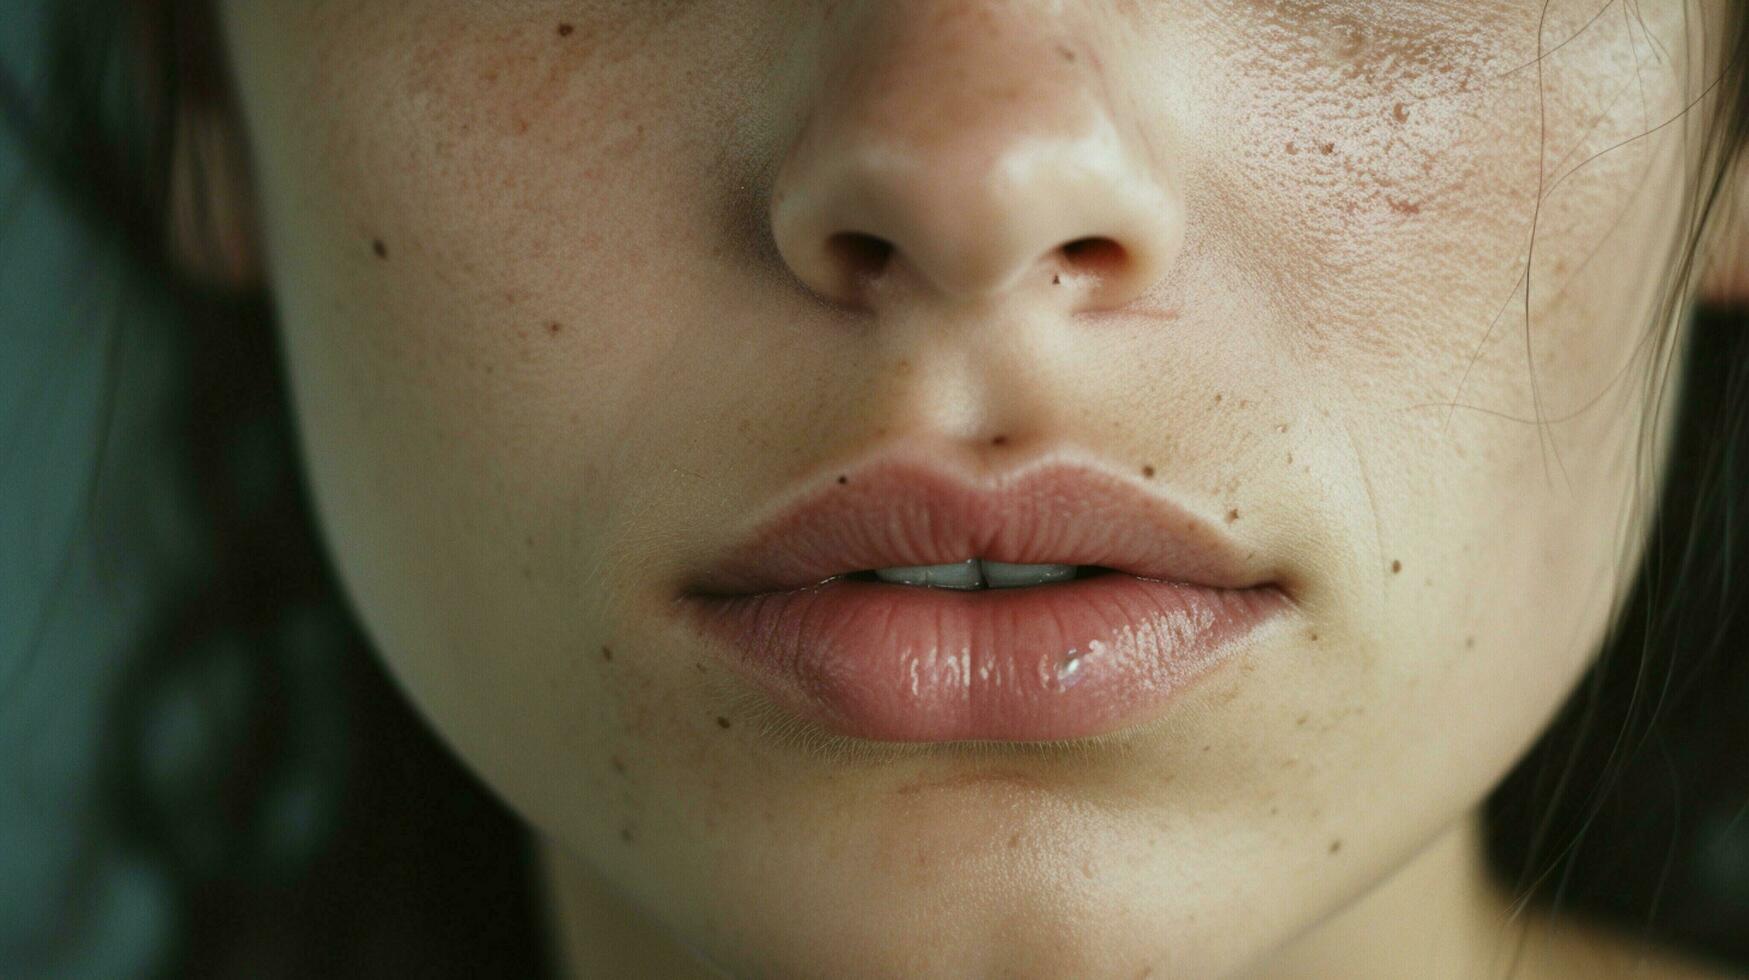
[562, 332]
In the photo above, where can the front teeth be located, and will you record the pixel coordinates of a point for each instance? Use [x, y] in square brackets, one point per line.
[976, 573]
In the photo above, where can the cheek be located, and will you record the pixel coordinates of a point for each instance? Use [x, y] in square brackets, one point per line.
[474, 240]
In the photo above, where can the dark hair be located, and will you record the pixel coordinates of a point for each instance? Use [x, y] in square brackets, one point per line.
[305, 821]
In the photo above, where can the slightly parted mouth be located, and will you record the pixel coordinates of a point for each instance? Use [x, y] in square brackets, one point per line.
[1081, 572]
[908, 512]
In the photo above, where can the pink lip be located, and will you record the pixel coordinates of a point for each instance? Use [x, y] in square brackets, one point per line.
[894, 662]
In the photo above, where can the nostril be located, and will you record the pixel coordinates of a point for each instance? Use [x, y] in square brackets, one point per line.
[860, 255]
[1098, 256]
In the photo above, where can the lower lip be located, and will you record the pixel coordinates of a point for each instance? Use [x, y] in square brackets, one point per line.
[903, 663]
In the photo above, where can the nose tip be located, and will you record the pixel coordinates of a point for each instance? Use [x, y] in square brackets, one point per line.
[969, 160]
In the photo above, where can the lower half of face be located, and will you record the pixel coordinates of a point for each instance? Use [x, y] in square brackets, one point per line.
[548, 365]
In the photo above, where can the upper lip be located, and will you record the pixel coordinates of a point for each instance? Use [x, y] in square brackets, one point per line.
[909, 511]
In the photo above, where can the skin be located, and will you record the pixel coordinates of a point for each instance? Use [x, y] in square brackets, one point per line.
[554, 337]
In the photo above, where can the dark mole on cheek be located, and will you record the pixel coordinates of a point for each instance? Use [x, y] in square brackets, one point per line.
[606, 653]
[999, 441]
[1056, 279]
[1396, 566]
[565, 30]
[1232, 515]
[843, 479]
[722, 722]
[379, 248]
[1148, 471]
[1335, 845]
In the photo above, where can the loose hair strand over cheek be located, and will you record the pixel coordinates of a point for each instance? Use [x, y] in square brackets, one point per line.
[1626, 808]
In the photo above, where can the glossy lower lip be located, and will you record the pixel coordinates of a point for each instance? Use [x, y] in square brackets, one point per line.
[1065, 660]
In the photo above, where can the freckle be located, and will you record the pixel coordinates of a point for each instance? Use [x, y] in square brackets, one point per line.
[722, 722]
[607, 653]
[699, 666]
[1274, 810]
[1302, 720]
[1148, 471]
[1292, 149]
[843, 479]
[1290, 459]
[1313, 637]
[1232, 515]
[379, 247]
[1396, 566]
[1207, 747]
[565, 30]
[1335, 845]
[555, 327]
[999, 441]
[1014, 839]
[1327, 149]
[619, 765]
[1217, 398]
[1067, 54]
[1244, 403]
[1400, 113]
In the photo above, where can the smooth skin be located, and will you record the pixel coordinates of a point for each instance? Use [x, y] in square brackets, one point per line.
[1376, 287]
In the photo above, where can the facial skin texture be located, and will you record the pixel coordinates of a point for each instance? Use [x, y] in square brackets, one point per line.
[548, 358]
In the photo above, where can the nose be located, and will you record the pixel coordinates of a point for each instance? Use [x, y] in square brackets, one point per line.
[968, 149]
